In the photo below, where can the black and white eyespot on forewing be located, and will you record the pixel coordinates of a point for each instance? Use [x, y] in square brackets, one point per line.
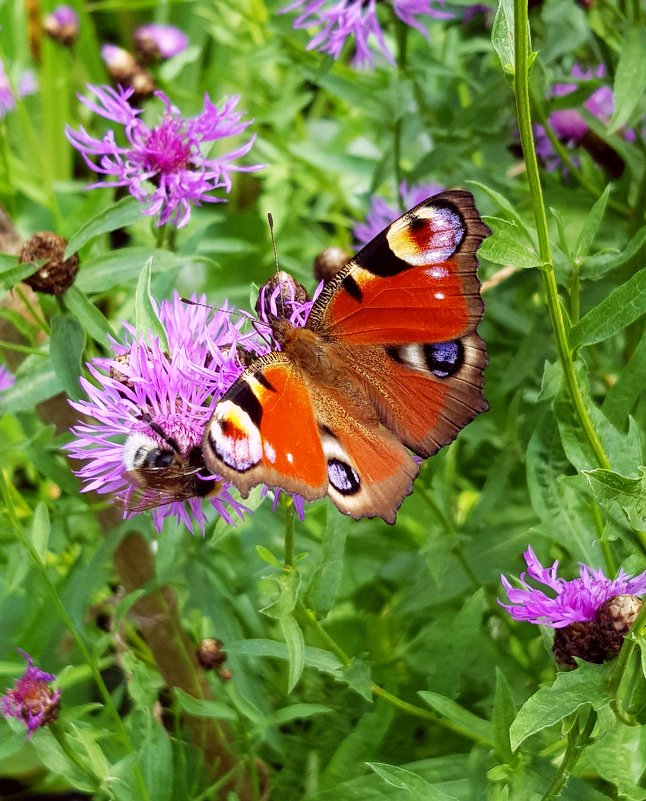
[342, 476]
[233, 437]
[140, 450]
[443, 359]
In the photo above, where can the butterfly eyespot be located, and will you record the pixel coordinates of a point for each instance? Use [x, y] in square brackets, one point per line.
[342, 477]
[444, 359]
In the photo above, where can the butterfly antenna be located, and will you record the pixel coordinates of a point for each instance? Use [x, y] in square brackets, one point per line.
[270, 219]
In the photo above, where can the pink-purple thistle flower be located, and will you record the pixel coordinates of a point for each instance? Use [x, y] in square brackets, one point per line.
[62, 25]
[163, 41]
[341, 20]
[164, 166]
[382, 213]
[8, 94]
[575, 601]
[144, 394]
[31, 700]
[7, 378]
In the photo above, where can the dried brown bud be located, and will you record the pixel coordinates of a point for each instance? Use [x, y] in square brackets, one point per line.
[615, 618]
[209, 653]
[226, 674]
[328, 263]
[62, 26]
[56, 275]
[581, 640]
[124, 69]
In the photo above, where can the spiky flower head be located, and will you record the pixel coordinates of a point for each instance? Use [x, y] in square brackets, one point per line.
[31, 700]
[164, 166]
[147, 394]
[340, 21]
[575, 601]
[383, 212]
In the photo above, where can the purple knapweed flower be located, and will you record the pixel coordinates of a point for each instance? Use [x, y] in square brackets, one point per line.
[26, 86]
[62, 24]
[7, 378]
[31, 700]
[144, 397]
[575, 601]
[382, 213]
[340, 20]
[164, 166]
[163, 41]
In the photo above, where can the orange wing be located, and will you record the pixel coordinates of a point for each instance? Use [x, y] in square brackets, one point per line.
[414, 283]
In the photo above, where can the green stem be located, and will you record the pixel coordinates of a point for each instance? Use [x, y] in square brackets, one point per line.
[61, 739]
[308, 617]
[69, 623]
[288, 507]
[626, 652]
[5, 345]
[402, 62]
[577, 741]
[521, 89]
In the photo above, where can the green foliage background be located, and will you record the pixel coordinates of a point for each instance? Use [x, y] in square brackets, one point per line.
[379, 664]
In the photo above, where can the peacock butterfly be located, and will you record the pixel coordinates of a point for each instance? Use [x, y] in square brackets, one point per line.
[389, 364]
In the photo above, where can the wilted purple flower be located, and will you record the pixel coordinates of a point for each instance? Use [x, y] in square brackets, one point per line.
[164, 166]
[163, 41]
[26, 86]
[62, 24]
[340, 20]
[382, 213]
[146, 395]
[31, 700]
[575, 601]
[7, 378]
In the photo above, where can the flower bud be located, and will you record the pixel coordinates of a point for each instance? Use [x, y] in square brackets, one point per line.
[55, 275]
[328, 263]
[615, 618]
[62, 25]
[209, 653]
[125, 70]
[31, 700]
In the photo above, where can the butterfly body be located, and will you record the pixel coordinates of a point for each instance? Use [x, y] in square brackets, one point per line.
[389, 362]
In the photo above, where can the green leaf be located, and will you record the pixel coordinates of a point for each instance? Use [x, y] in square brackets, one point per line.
[418, 788]
[502, 35]
[87, 314]
[448, 708]
[587, 685]
[596, 266]
[118, 215]
[623, 306]
[123, 266]
[505, 247]
[15, 274]
[147, 319]
[40, 530]
[591, 226]
[200, 708]
[326, 577]
[630, 78]
[297, 712]
[267, 556]
[504, 712]
[628, 388]
[505, 205]
[66, 347]
[317, 658]
[359, 677]
[283, 610]
[629, 493]
[36, 382]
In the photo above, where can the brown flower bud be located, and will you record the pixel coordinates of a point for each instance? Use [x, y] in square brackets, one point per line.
[226, 674]
[328, 263]
[209, 653]
[578, 639]
[124, 69]
[62, 26]
[56, 275]
[615, 618]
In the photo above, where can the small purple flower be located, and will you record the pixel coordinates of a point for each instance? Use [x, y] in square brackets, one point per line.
[575, 601]
[164, 166]
[340, 20]
[143, 392]
[26, 86]
[7, 378]
[382, 213]
[62, 24]
[165, 41]
[31, 700]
